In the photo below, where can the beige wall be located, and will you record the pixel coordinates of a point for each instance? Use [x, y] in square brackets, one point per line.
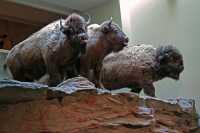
[105, 11]
[168, 22]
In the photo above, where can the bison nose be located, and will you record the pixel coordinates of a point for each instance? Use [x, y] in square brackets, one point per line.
[83, 36]
[126, 40]
[176, 76]
[181, 68]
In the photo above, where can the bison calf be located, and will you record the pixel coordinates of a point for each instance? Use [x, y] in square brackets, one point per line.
[103, 39]
[138, 66]
[49, 51]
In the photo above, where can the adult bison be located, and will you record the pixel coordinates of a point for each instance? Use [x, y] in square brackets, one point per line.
[103, 39]
[49, 51]
[138, 66]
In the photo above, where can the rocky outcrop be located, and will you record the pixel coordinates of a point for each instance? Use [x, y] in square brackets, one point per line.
[12, 91]
[26, 108]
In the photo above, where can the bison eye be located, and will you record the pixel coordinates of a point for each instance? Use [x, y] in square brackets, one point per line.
[70, 30]
[81, 30]
[115, 30]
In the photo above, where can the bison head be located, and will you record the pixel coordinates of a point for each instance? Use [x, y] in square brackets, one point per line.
[75, 28]
[170, 62]
[114, 35]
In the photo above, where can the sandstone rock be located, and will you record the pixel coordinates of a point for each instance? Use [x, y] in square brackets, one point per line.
[76, 84]
[12, 91]
[83, 110]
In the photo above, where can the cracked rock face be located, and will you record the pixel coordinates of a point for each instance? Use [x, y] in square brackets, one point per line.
[25, 109]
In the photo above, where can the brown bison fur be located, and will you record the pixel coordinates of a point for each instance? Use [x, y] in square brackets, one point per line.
[103, 39]
[138, 66]
[49, 51]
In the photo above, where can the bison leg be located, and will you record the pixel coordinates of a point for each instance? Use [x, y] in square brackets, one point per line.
[100, 80]
[136, 90]
[70, 72]
[52, 68]
[54, 75]
[54, 78]
[22, 76]
[135, 87]
[149, 89]
[18, 72]
[43, 80]
[100, 84]
[96, 75]
[18, 76]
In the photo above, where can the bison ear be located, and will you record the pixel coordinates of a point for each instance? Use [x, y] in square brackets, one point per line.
[61, 25]
[64, 29]
[163, 59]
[107, 27]
[89, 19]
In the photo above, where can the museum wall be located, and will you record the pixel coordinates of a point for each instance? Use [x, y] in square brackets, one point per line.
[16, 31]
[168, 22]
[105, 11]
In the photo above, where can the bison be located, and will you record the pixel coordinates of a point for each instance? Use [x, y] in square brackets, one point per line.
[139, 66]
[103, 39]
[49, 51]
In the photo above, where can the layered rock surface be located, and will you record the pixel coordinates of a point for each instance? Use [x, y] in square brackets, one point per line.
[76, 106]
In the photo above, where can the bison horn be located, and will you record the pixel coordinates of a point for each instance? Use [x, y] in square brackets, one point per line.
[110, 22]
[61, 26]
[89, 19]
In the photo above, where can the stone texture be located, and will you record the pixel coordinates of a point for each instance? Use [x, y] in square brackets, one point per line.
[86, 111]
[12, 91]
[76, 84]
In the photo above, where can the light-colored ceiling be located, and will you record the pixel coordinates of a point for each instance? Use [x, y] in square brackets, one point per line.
[62, 6]
[82, 5]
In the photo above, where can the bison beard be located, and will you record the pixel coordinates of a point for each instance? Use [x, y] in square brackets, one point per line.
[49, 51]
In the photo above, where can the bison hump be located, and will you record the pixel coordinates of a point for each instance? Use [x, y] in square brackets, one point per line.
[138, 56]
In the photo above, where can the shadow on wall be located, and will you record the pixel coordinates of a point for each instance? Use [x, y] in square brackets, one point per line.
[172, 6]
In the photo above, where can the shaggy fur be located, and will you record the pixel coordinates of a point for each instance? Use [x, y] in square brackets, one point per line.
[139, 66]
[103, 39]
[49, 51]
